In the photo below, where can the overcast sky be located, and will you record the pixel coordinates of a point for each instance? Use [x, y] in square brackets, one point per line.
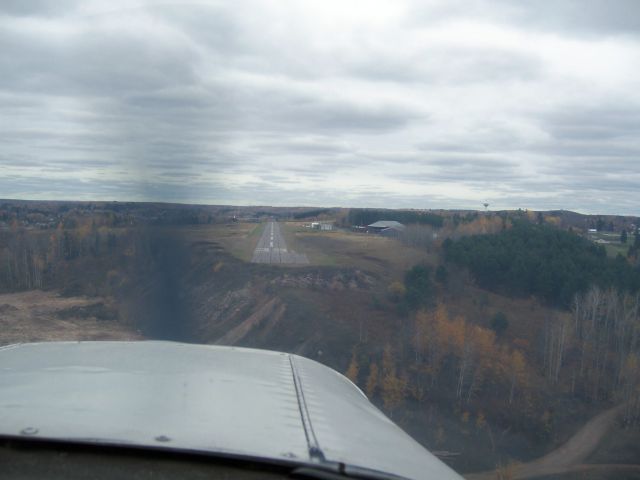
[425, 104]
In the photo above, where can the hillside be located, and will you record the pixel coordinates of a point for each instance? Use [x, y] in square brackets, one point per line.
[481, 373]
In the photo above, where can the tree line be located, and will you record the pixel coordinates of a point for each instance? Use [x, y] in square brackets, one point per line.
[367, 216]
[588, 353]
[452, 362]
[86, 257]
[311, 213]
[529, 259]
[591, 355]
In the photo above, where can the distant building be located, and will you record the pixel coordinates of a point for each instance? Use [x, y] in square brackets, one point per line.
[326, 226]
[389, 228]
[390, 232]
[321, 226]
[593, 230]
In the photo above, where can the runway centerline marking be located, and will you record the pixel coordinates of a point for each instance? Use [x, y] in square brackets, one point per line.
[272, 248]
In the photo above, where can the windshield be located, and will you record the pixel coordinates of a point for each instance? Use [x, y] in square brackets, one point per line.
[437, 199]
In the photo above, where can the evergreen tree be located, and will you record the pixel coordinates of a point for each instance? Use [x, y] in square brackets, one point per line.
[419, 286]
[541, 260]
[499, 323]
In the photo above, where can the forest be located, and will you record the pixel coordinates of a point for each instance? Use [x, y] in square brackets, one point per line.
[499, 375]
[503, 362]
[541, 260]
[367, 216]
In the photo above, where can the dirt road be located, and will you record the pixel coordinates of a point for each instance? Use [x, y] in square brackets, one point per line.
[568, 457]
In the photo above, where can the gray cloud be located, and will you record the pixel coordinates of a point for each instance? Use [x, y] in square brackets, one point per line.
[452, 64]
[36, 7]
[593, 124]
[442, 104]
[573, 17]
[590, 17]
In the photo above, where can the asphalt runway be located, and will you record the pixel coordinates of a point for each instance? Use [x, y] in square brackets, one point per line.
[273, 249]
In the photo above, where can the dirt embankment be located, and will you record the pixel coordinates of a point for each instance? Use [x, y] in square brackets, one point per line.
[36, 316]
[269, 313]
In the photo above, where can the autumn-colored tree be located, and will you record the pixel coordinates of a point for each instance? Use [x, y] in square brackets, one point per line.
[630, 388]
[352, 371]
[481, 421]
[388, 361]
[476, 351]
[506, 472]
[517, 371]
[421, 335]
[393, 387]
[396, 291]
[553, 220]
[431, 342]
[470, 349]
[83, 235]
[372, 380]
[437, 341]
[482, 225]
